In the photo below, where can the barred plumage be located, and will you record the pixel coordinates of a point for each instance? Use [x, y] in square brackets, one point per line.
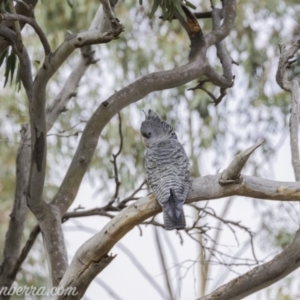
[167, 169]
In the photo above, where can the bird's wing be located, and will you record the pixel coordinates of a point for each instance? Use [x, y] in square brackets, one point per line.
[167, 166]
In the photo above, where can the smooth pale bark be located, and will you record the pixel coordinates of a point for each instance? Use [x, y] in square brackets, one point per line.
[88, 257]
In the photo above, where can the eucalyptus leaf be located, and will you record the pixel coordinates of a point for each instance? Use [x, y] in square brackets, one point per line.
[154, 7]
[3, 55]
[178, 6]
[189, 4]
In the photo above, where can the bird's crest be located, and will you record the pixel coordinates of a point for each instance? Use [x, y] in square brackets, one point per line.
[154, 117]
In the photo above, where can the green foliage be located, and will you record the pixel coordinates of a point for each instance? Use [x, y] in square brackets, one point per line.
[4, 5]
[283, 238]
[9, 60]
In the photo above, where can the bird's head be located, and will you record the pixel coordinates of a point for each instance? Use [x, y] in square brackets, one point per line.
[154, 129]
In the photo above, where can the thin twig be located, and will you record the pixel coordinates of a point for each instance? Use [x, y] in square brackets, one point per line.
[163, 263]
[131, 197]
[114, 161]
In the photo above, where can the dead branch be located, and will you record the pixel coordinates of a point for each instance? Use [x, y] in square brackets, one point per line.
[233, 171]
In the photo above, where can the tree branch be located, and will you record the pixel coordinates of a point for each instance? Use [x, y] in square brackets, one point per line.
[203, 188]
[291, 86]
[220, 33]
[15, 230]
[132, 93]
[192, 28]
[226, 80]
[11, 262]
[233, 172]
[47, 213]
[16, 25]
[86, 59]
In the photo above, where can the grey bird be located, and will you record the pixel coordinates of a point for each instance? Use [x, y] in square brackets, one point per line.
[167, 169]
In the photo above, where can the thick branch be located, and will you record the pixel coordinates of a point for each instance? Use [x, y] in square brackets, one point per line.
[193, 29]
[11, 263]
[226, 79]
[45, 212]
[203, 188]
[294, 125]
[219, 34]
[8, 34]
[14, 233]
[291, 86]
[54, 242]
[16, 225]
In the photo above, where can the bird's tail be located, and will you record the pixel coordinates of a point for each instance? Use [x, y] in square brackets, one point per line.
[173, 212]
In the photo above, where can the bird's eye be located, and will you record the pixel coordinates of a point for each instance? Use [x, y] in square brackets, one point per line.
[149, 134]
